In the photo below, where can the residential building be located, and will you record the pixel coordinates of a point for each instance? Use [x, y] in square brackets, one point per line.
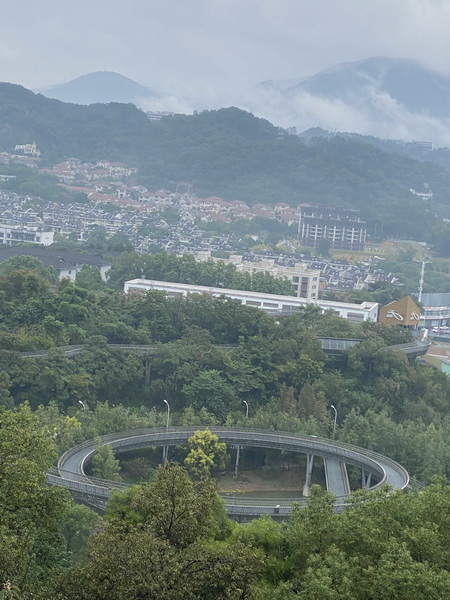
[67, 264]
[304, 281]
[10, 235]
[342, 228]
[30, 149]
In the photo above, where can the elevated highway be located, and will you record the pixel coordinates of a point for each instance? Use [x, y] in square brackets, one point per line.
[332, 346]
[70, 470]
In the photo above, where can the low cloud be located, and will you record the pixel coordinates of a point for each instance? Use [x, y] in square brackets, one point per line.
[376, 114]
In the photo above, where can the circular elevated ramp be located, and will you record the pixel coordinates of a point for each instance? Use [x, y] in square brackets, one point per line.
[70, 469]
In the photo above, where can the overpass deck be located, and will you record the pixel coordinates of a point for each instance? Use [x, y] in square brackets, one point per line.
[71, 473]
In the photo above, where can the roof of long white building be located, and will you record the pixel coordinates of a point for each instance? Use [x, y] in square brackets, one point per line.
[368, 309]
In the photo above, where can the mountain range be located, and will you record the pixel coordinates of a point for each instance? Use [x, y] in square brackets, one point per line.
[233, 154]
[378, 96]
[405, 82]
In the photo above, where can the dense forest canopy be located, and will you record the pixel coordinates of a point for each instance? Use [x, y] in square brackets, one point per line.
[169, 538]
[172, 533]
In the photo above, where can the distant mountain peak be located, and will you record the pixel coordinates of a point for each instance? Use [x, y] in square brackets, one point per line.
[407, 82]
[100, 87]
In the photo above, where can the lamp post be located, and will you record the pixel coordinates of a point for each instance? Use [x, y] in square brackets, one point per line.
[166, 448]
[83, 404]
[335, 418]
[168, 412]
[246, 408]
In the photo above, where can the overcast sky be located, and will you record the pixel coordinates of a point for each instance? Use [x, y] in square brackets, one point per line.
[216, 46]
[211, 53]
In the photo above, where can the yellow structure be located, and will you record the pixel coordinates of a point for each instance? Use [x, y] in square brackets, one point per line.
[403, 312]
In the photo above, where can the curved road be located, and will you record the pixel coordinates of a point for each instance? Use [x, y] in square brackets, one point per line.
[70, 470]
[329, 346]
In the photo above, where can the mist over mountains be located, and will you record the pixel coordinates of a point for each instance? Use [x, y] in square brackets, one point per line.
[235, 155]
[383, 97]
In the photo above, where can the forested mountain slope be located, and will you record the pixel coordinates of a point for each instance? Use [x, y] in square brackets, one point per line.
[227, 152]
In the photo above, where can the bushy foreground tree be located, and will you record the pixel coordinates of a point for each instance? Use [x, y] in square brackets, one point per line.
[162, 541]
[32, 514]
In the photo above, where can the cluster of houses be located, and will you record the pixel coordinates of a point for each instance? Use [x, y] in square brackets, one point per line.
[216, 209]
[115, 202]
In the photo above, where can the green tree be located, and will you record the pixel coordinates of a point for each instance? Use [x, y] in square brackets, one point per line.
[29, 263]
[160, 542]
[205, 454]
[211, 390]
[104, 463]
[89, 277]
[31, 513]
[136, 564]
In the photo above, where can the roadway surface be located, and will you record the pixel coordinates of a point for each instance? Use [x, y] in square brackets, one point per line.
[329, 346]
[336, 477]
[71, 465]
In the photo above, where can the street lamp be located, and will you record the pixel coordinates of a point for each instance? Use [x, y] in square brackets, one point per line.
[168, 413]
[83, 404]
[246, 408]
[335, 418]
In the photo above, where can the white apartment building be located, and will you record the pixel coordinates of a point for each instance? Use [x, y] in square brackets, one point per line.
[30, 149]
[304, 281]
[342, 228]
[10, 235]
[270, 303]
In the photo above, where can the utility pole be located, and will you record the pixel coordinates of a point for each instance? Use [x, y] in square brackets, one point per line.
[422, 276]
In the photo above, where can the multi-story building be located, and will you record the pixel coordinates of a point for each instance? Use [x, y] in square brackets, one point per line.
[30, 149]
[270, 303]
[305, 282]
[342, 228]
[435, 311]
[10, 235]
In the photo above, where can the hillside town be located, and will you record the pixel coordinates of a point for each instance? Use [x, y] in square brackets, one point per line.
[110, 200]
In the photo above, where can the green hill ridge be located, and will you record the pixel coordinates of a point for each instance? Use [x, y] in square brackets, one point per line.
[231, 153]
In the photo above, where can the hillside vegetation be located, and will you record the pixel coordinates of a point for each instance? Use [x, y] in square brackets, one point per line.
[231, 153]
[171, 534]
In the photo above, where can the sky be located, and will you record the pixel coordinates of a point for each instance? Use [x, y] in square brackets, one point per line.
[213, 49]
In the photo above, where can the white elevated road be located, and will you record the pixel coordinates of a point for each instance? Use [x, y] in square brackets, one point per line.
[71, 466]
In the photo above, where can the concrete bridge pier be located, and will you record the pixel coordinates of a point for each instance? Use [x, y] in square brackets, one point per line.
[236, 466]
[147, 369]
[309, 468]
[366, 479]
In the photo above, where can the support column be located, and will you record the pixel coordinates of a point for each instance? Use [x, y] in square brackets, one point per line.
[147, 369]
[309, 468]
[165, 455]
[236, 466]
[366, 480]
